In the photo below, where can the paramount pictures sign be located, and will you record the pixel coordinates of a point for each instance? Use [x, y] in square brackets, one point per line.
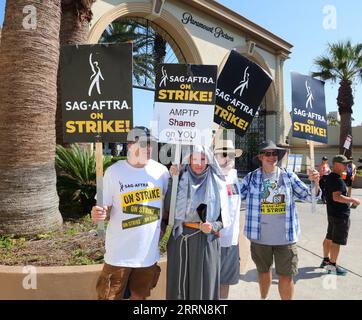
[218, 32]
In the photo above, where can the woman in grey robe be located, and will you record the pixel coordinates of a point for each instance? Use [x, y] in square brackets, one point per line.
[193, 250]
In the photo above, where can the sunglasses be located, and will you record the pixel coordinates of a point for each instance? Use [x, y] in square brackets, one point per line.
[269, 153]
[230, 155]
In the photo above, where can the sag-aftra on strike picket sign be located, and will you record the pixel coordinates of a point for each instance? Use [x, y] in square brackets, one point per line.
[308, 108]
[96, 92]
[241, 88]
[184, 103]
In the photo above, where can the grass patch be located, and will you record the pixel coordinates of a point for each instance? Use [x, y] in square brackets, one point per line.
[75, 244]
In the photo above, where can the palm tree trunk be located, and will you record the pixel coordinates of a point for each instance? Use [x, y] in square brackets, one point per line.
[28, 77]
[74, 29]
[345, 130]
[345, 103]
[159, 52]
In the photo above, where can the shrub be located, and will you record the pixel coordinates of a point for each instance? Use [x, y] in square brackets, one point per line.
[76, 179]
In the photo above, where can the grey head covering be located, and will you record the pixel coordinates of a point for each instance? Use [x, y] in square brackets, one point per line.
[194, 189]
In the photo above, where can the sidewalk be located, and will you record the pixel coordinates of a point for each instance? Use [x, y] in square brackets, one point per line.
[313, 283]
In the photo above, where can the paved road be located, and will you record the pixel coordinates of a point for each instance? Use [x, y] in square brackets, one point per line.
[313, 283]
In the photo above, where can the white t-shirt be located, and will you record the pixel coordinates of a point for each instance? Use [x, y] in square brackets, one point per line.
[136, 196]
[230, 235]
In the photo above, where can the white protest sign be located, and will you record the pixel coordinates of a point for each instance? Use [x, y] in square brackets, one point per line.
[184, 103]
[347, 143]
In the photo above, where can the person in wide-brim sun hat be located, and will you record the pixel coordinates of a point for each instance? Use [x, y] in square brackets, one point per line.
[269, 145]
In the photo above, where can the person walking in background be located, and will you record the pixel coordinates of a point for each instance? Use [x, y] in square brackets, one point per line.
[271, 220]
[225, 154]
[324, 170]
[338, 211]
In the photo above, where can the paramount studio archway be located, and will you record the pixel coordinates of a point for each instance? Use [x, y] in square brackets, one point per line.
[168, 35]
[152, 45]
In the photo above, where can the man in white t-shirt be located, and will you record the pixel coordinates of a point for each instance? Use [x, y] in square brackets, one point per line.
[134, 191]
[225, 154]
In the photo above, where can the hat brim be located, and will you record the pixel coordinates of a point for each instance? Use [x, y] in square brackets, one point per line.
[344, 162]
[238, 152]
[281, 154]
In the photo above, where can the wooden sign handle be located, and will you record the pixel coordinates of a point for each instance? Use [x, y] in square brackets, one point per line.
[99, 177]
[312, 165]
[171, 217]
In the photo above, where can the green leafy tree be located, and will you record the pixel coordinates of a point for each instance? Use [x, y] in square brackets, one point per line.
[343, 64]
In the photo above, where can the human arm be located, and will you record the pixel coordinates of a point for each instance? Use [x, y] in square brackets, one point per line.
[300, 190]
[212, 227]
[244, 186]
[102, 212]
[314, 176]
[339, 197]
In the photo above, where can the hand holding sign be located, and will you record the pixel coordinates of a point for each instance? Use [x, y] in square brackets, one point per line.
[313, 175]
[99, 213]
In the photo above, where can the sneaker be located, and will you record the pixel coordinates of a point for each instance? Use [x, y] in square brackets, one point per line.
[337, 270]
[324, 264]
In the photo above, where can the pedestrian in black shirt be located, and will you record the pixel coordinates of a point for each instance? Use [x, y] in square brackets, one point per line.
[338, 210]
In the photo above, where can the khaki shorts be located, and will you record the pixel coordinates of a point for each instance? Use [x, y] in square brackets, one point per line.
[286, 258]
[113, 281]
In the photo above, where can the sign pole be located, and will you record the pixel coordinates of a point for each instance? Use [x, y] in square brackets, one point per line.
[312, 164]
[171, 217]
[99, 177]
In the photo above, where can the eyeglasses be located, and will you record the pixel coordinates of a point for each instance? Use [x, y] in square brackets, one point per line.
[269, 153]
[230, 155]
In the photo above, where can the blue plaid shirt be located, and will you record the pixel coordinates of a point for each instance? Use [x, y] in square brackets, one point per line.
[251, 189]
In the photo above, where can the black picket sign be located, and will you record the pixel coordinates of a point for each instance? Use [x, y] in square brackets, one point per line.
[308, 108]
[241, 88]
[96, 92]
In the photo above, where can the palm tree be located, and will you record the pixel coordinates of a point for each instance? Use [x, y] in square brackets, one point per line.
[126, 31]
[74, 29]
[28, 77]
[342, 63]
[159, 50]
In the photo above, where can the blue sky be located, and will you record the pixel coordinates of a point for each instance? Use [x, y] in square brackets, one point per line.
[2, 5]
[301, 24]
